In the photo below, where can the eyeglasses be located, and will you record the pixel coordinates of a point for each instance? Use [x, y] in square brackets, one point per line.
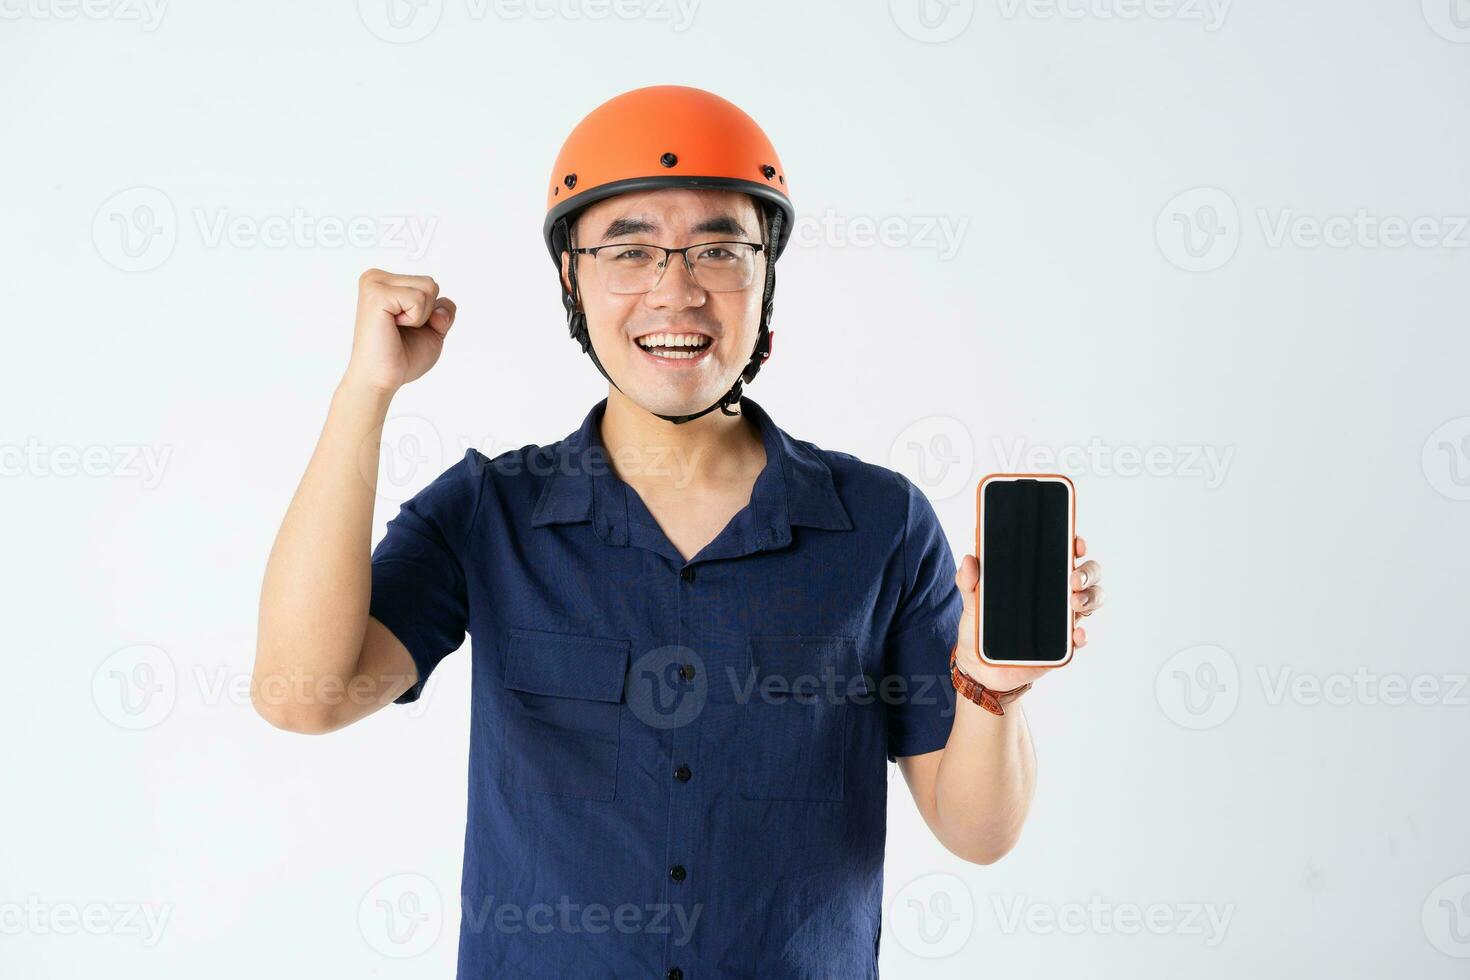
[631, 267]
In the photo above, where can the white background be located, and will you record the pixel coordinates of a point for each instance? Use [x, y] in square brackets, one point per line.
[1130, 192]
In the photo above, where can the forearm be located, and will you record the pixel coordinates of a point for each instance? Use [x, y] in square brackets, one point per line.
[985, 782]
[976, 791]
[318, 580]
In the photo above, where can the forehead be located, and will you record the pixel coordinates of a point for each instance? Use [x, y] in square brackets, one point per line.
[670, 212]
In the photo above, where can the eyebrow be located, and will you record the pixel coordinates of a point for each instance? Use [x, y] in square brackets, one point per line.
[723, 225]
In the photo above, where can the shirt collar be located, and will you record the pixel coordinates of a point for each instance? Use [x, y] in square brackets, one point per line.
[794, 488]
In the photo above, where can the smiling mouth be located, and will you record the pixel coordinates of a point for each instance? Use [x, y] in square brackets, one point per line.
[675, 346]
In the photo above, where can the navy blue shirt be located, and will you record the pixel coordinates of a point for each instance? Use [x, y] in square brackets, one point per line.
[677, 768]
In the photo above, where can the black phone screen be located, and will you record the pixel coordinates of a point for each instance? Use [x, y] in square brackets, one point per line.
[1024, 571]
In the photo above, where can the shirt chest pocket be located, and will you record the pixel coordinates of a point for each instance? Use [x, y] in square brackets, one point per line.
[795, 725]
[563, 695]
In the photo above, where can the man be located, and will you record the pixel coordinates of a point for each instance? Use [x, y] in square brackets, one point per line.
[696, 638]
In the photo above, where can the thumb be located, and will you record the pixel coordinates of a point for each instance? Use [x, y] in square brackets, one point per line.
[967, 578]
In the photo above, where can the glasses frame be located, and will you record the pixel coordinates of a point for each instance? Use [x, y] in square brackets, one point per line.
[682, 252]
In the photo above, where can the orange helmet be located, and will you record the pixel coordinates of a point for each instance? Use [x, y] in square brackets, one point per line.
[668, 136]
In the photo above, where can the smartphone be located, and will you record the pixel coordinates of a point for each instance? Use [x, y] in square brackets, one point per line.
[1024, 527]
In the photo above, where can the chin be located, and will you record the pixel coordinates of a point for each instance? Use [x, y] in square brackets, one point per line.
[668, 400]
[670, 403]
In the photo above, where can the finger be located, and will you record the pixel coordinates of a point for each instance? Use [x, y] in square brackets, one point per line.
[1081, 545]
[409, 306]
[442, 318]
[1087, 601]
[409, 299]
[424, 283]
[967, 577]
[1086, 574]
[1079, 637]
[414, 305]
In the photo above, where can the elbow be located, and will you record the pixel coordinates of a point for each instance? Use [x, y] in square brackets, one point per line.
[289, 715]
[980, 839]
[295, 719]
[993, 855]
[986, 852]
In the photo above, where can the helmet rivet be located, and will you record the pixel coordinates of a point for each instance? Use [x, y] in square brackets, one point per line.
[668, 159]
[570, 180]
[768, 170]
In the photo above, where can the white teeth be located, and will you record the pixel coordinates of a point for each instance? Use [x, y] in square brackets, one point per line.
[674, 355]
[673, 340]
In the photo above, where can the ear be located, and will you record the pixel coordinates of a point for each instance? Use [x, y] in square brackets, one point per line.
[566, 282]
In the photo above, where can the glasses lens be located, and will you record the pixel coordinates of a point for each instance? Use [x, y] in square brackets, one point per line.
[636, 268]
[630, 268]
[723, 266]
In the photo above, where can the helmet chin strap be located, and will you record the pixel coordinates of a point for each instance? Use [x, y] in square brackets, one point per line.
[577, 326]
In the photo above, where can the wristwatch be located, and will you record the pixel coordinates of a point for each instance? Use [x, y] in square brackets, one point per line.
[973, 690]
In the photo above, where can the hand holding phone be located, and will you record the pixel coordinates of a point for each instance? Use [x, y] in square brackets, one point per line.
[1022, 595]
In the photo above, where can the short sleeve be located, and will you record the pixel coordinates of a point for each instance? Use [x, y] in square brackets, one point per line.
[921, 704]
[419, 588]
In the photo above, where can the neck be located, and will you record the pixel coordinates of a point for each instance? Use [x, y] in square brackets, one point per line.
[645, 450]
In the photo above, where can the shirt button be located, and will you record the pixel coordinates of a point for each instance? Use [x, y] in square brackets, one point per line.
[687, 574]
[683, 774]
[687, 672]
[677, 872]
[675, 974]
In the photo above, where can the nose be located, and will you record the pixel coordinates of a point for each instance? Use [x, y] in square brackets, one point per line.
[676, 288]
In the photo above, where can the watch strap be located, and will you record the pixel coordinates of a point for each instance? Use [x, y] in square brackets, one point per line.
[972, 690]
